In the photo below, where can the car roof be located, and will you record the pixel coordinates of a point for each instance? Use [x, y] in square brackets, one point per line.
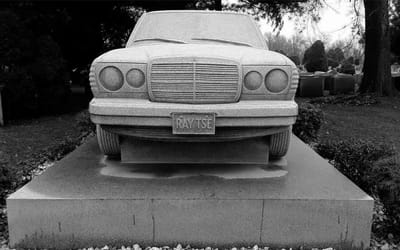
[197, 11]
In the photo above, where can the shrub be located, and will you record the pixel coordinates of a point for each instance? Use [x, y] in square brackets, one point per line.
[385, 178]
[348, 66]
[315, 57]
[7, 177]
[332, 63]
[335, 56]
[85, 125]
[308, 123]
[354, 158]
[373, 167]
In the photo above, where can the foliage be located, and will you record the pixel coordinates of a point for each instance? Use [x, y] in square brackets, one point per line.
[33, 69]
[84, 123]
[294, 46]
[347, 48]
[335, 57]
[386, 181]
[373, 167]
[354, 158]
[42, 43]
[80, 36]
[394, 15]
[315, 57]
[7, 180]
[348, 66]
[308, 123]
[275, 10]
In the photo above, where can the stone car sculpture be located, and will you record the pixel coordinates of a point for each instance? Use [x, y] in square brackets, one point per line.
[194, 76]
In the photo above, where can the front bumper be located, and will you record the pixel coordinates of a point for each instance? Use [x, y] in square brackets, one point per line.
[140, 112]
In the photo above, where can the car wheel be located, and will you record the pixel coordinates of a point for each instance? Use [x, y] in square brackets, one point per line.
[108, 142]
[279, 144]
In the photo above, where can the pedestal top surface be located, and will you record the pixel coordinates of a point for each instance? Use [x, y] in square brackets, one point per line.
[87, 174]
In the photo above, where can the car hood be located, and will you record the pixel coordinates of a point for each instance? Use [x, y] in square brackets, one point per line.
[241, 54]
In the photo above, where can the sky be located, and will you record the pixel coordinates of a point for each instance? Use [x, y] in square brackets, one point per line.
[335, 23]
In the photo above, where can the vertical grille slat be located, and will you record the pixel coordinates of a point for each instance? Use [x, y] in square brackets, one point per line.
[194, 82]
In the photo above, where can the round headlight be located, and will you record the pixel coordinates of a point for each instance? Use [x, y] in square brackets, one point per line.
[252, 80]
[276, 80]
[135, 78]
[111, 78]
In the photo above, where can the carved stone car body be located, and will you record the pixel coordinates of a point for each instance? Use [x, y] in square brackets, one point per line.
[194, 76]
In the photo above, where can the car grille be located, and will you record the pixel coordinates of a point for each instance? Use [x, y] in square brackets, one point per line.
[194, 82]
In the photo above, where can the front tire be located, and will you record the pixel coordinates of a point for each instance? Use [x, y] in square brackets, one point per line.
[108, 142]
[279, 144]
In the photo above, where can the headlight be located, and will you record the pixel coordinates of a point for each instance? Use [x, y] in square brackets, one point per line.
[135, 78]
[276, 80]
[252, 80]
[111, 78]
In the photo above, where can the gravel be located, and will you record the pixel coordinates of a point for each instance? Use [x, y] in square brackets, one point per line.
[188, 247]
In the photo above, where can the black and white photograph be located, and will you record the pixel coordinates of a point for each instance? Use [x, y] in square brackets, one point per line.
[200, 124]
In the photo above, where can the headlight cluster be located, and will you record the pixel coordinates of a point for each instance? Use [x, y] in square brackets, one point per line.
[275, 81]
[112, 78]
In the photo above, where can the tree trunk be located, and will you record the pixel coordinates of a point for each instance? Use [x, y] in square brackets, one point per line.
[218, 4]
[377, 75]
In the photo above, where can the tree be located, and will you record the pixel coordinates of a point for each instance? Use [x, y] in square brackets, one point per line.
[32, 69]
[295, 45]
[315, 57]
[377, 75]
[394, 15]
[276, 9]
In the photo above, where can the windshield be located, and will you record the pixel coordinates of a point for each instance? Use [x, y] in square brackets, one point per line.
[197, 27]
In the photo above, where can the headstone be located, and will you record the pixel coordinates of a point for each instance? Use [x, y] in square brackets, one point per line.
[341, 84]
[311, 85]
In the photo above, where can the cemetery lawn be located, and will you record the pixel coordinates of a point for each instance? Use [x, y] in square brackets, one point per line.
[26, 139]
[378, 123]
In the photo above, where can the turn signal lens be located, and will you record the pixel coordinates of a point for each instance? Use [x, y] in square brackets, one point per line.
[276, 81]
[252, 80]
[111, 78]
[135, 78]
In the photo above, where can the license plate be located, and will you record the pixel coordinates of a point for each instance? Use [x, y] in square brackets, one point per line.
[193, 123]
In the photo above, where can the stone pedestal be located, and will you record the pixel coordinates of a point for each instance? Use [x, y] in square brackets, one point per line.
[87, 200]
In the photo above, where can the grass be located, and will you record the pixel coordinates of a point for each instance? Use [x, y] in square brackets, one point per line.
[377, 122]
[21, 140]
